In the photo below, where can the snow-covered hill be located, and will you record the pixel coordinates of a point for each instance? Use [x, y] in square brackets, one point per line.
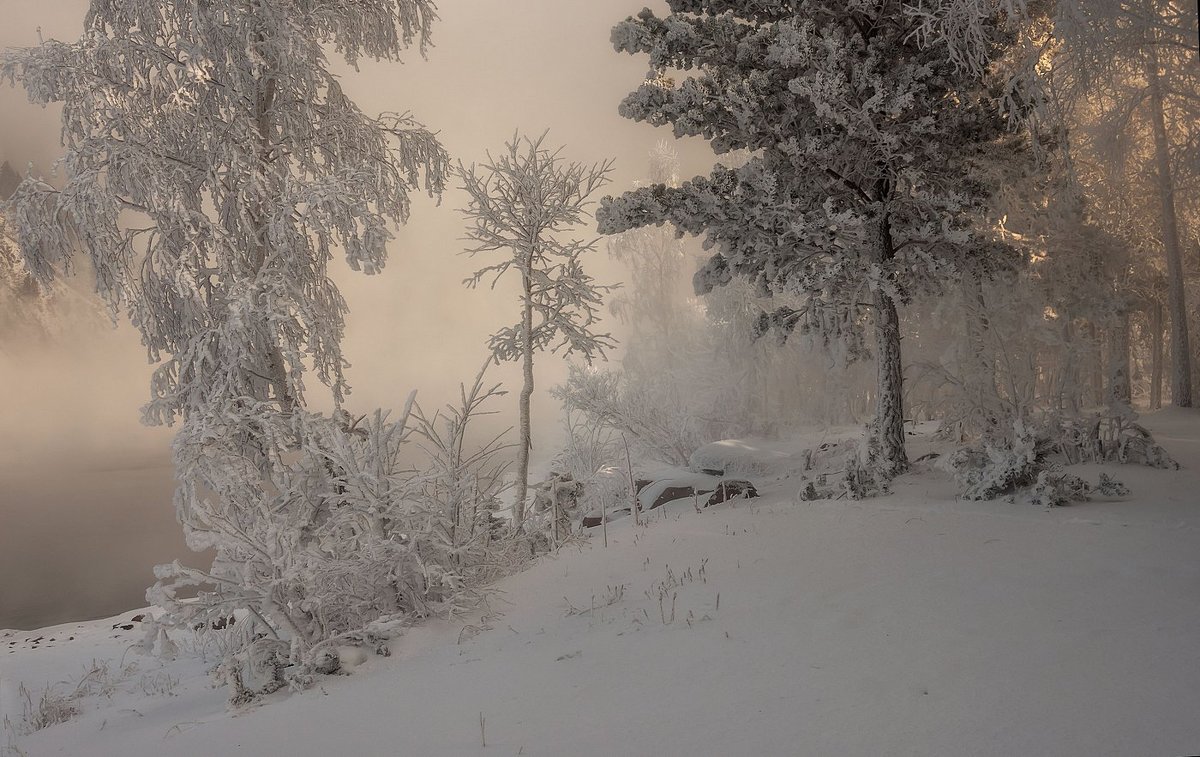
[909, 625]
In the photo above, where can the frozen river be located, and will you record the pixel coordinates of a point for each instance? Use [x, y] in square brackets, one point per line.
[80, 541]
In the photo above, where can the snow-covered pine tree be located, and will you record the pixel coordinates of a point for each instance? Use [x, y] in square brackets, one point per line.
[866, 122]
[525, 203]
[213, 167]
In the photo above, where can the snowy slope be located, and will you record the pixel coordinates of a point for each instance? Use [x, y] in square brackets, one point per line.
[909, 625]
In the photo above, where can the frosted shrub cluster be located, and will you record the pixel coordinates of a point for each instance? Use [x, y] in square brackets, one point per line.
[364, 528]
[1109, 436]
[999, 466]
[1028, 463]
[593, 467]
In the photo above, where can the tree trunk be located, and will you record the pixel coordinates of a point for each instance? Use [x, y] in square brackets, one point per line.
[1068, 388]
[1097, 364]
[275, 369]
[889, 405]
[1119, 390]
[526, 394]
[1181, 368]
[981, 368]
[1156, 355]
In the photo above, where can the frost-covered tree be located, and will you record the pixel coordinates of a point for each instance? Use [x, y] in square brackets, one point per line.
[1128, 70]
[24, 302]
[34, 310]
[653, 397]
[867, 123]
[653, 304]
[213, 167]
[525, 204]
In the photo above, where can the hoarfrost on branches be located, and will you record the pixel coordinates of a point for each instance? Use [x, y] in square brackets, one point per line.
[213, 167]
[524, 203]
[352, 535]
[869, 128]
[662, 429]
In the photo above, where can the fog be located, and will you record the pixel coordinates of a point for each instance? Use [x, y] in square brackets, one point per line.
[85, 491]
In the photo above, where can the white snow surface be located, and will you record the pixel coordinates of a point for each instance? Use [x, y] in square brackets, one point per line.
[908, 625]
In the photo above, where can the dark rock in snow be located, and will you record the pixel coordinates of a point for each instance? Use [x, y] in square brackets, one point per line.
[220, 624]
[674, 492]
[732, 489]
[592, 521]
[328, 664]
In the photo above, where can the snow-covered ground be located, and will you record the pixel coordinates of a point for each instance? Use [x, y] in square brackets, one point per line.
[909, 625]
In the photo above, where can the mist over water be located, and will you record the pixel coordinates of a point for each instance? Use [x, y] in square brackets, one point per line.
[80, 543]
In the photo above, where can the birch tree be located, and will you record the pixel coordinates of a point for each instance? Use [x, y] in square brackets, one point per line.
[867, 124]
[525, 204]
[213, 167]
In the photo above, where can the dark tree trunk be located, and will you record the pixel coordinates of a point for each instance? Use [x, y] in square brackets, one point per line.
[1181, 367]
[1097, 365]
[889, 405]
[983, 367]
[1156, 355]
[1069, 390]
[1119, 390]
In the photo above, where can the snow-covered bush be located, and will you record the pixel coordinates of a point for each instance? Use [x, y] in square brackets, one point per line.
[348, 539]
[1027, 465]
[1056, 488]
[589, 447]
[1110, 487]
[1000, 464]
[256, 670]
[558, 501]
[609, 489]
[1110, 436]
[866, 475]
[461, 482]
